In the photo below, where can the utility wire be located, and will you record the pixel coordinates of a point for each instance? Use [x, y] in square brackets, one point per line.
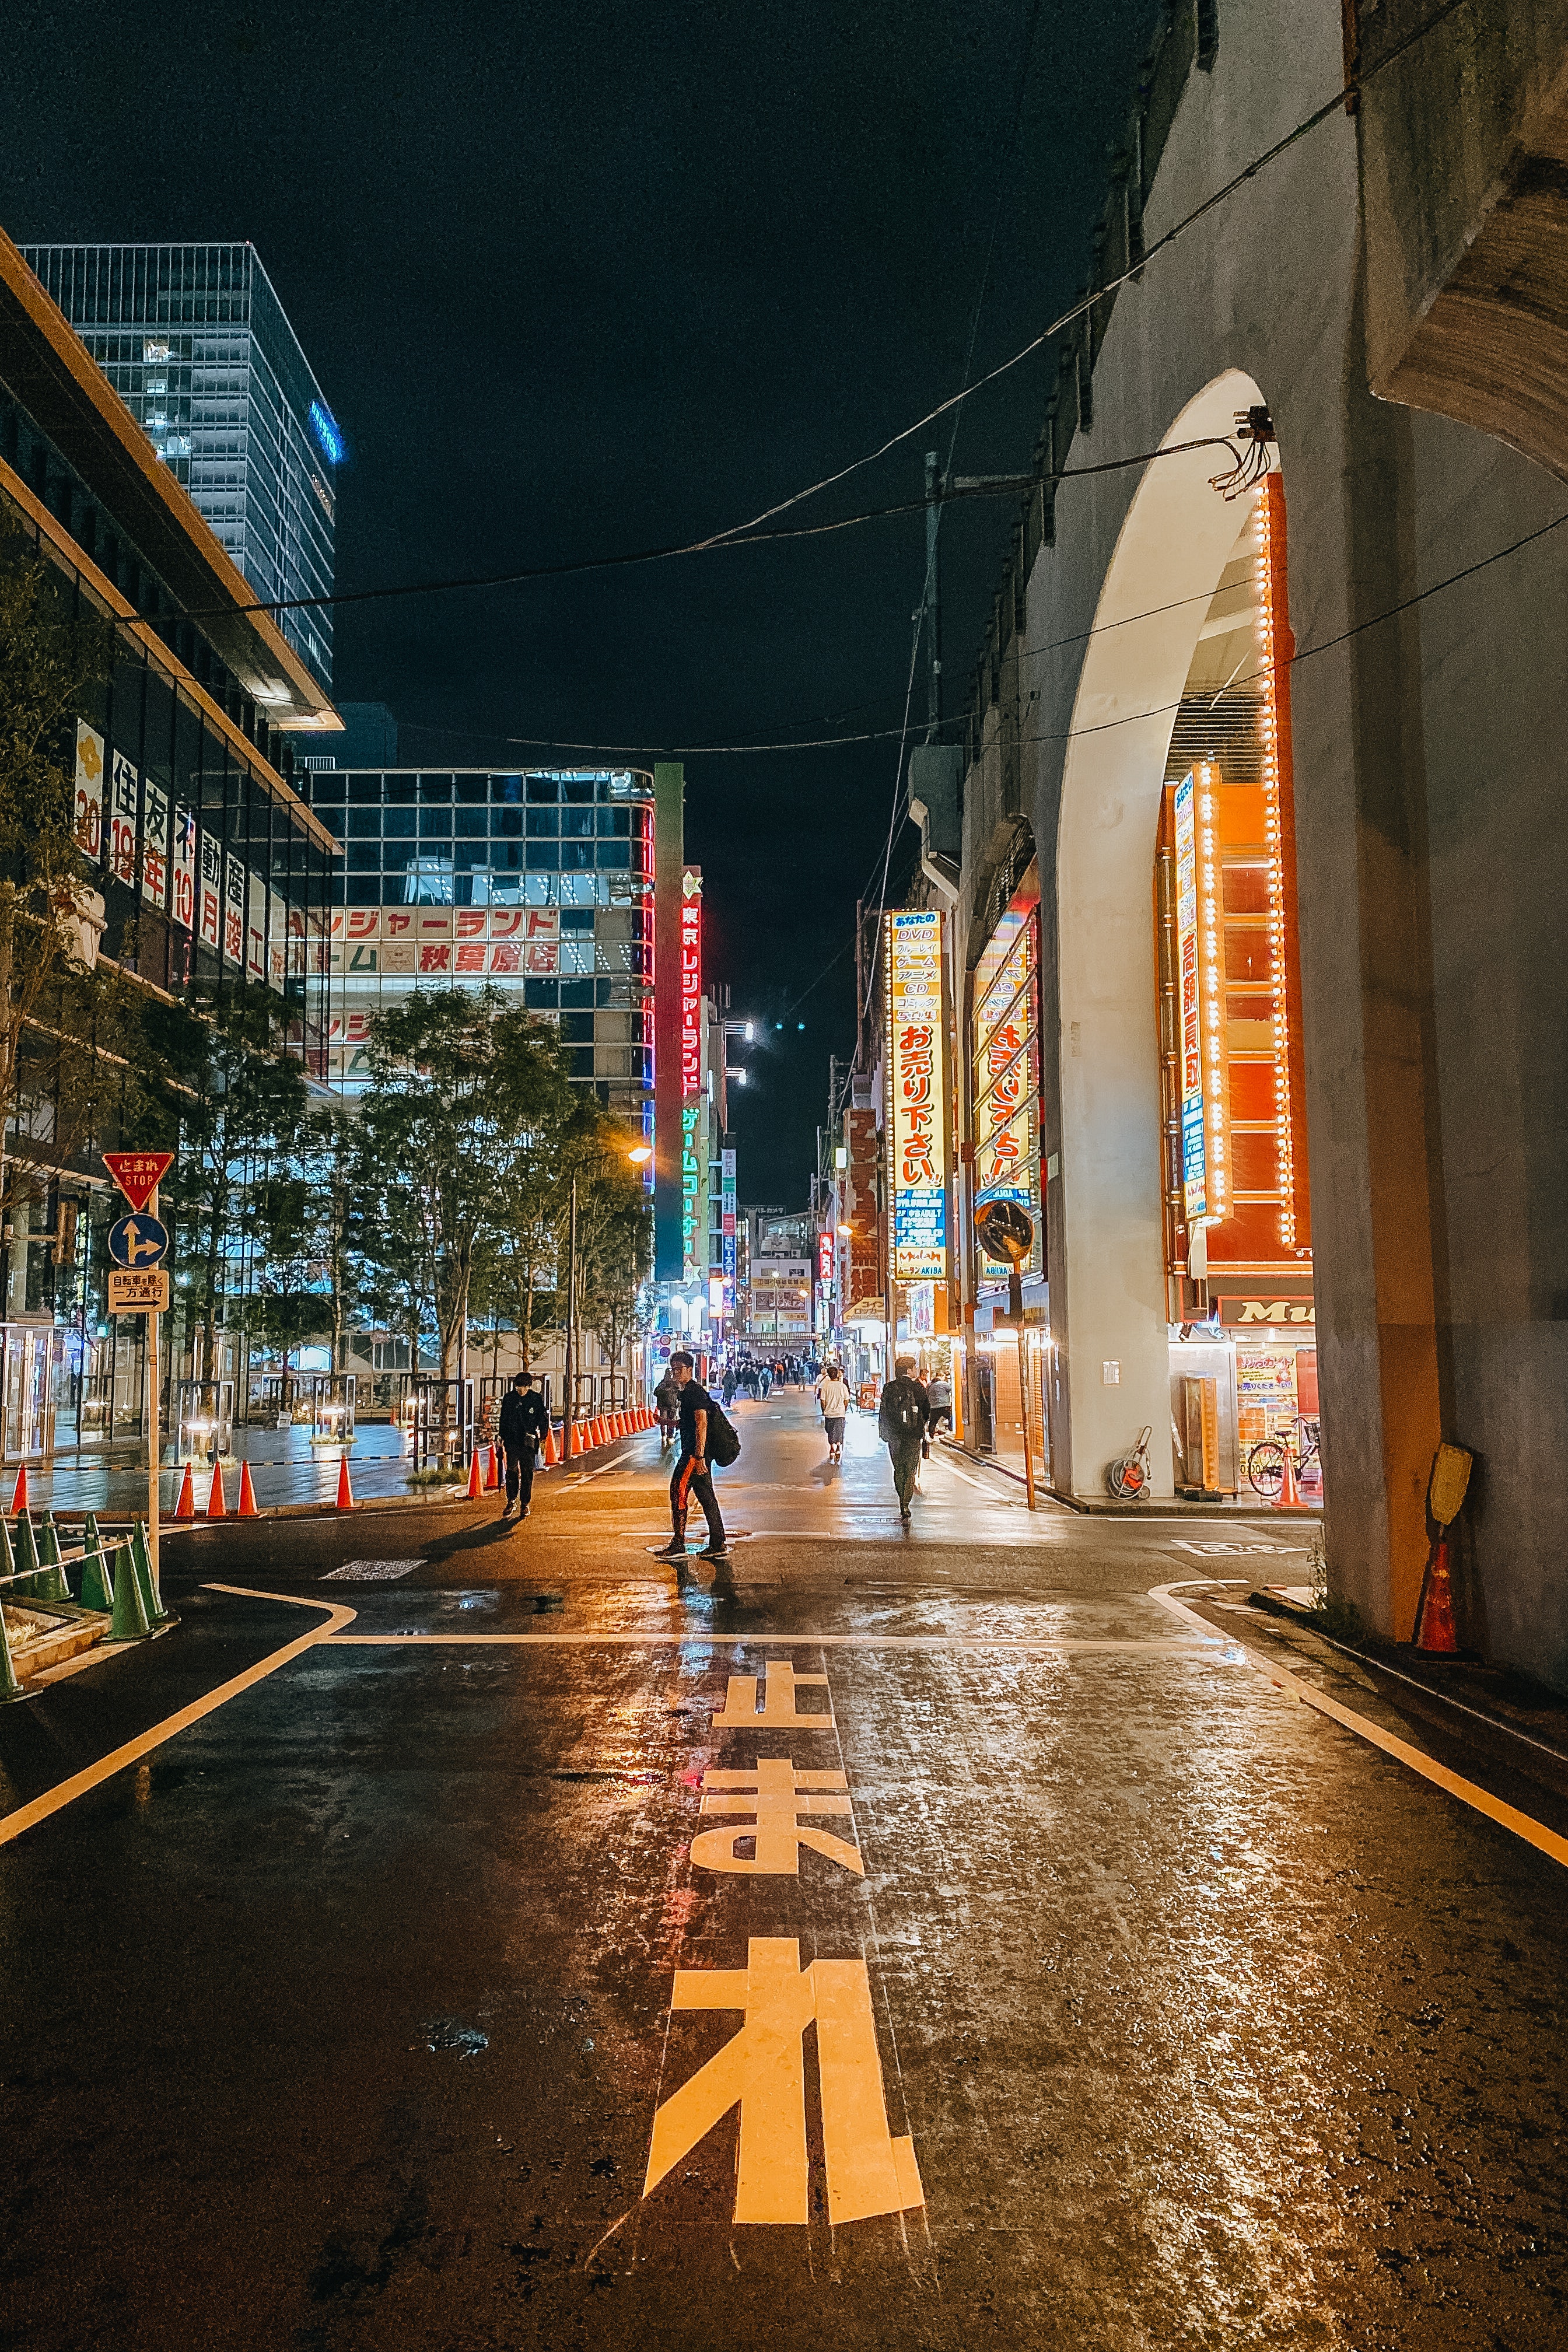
[1077, 636]
[752, 533]
[1356, 83]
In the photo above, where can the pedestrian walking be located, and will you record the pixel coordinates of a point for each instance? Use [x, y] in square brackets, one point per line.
[520, 1430]
[667, 1397]
[832, 1396]
[729, 1385]
[693, 1470]
[939, 1392]
[902, 1424]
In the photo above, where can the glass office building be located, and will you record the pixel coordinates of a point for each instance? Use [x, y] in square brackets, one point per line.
[539, 883]
[195, 341]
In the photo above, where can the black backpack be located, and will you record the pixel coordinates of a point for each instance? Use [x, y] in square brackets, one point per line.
[904, 1408]
[723, 1443]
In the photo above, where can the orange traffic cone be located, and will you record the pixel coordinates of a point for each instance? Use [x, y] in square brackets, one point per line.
[216, 1507]
[1289, 1498]
[551, 1453]
[492, 1473]
[186, 1509]
[345, 1492]
[1435, 1615]
[19, 1500]
[475, 1487]
[247, 1509]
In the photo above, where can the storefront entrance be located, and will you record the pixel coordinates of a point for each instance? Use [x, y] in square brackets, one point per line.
[1238, 1219]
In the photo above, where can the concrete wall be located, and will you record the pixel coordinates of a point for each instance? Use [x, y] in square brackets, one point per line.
[1465, 158]
[1430, 851]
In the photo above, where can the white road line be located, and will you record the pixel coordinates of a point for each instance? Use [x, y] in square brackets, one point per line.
[1062, 1646]
[66, 1793]
[1296, 1688]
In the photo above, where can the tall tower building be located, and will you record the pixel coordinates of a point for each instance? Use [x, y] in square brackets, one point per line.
[195, 341]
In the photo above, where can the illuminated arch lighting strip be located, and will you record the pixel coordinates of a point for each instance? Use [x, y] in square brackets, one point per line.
[1211, 995]
[1278, 972]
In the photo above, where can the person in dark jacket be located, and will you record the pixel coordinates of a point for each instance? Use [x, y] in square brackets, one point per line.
[901, 1422]
[521, 1429]
[693, 1472]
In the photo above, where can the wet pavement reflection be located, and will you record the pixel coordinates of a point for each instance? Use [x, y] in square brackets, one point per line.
[1121, 2001]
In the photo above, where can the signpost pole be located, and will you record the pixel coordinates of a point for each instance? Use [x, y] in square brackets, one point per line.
[155, 1398]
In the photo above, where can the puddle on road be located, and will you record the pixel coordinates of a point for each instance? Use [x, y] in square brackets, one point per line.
[448, 2033]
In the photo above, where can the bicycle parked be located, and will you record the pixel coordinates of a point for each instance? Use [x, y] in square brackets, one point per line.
[1266, 1461]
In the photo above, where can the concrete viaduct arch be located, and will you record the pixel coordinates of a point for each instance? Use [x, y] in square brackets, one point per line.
[1432, 852]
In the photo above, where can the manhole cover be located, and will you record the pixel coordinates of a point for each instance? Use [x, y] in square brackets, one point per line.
[370, 1571]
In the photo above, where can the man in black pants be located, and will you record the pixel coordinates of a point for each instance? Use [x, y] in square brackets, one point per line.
[521, 1429]
[692, 1473]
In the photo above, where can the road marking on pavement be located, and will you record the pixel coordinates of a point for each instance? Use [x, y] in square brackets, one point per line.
[762, 2070]
[1166, 1646]
[66, 1793]
[778, 1711]
[776, 1795]
[1480, 1801]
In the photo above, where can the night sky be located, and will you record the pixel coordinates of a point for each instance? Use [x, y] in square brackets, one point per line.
[587, 278]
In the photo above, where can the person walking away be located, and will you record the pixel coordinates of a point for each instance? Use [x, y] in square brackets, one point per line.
[765, 1381]
[693, 1474]
[667, 1397]
[939, 1393]
[729, 1386]
[832, 1396]
[902, 1424]
[520, 1430]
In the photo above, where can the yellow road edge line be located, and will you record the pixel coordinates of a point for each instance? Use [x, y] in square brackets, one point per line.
[66, 1793]
[1480, 1801]
[1170, 1646]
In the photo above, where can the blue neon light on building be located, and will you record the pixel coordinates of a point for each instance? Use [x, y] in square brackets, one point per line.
[323, 425]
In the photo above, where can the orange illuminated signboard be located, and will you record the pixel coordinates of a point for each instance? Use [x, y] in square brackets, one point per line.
[1007, 1084]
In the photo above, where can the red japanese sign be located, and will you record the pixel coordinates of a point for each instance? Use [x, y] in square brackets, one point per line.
[139, 1174]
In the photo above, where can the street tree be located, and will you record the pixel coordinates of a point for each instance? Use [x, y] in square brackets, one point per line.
[460, 1089]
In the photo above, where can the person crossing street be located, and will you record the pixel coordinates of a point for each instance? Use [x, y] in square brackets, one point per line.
[520, 1430]
[901, 1422]
[693, 1470]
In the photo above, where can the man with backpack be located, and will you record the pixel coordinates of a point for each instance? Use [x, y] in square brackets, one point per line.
[902, 1424]
[706, 1437]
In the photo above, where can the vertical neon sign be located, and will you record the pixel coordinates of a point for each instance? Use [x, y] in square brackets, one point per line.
[917, 1065]
[693, 1243]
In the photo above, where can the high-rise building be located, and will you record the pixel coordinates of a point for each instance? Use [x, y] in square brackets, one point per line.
[195, 342]
[538, 883]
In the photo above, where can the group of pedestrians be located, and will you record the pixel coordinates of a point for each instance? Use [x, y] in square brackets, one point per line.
[909, 1413]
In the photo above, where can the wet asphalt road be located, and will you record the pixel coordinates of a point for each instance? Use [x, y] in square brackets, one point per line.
[340, 2019]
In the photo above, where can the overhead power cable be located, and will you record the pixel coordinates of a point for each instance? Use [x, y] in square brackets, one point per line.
[1077, 636]
[752, 533]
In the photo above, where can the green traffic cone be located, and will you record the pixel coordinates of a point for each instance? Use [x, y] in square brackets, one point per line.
[51, 1582]
[129, 1623]
[142, 1559]
[27, 1559]
[97, 1585]
[9, 1686]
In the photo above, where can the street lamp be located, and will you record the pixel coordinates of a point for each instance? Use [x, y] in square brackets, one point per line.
[638, 1155]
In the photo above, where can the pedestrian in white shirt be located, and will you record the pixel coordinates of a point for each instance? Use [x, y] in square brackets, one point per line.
[832, 1396]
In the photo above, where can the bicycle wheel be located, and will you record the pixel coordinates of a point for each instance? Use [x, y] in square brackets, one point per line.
[1266, 1467]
